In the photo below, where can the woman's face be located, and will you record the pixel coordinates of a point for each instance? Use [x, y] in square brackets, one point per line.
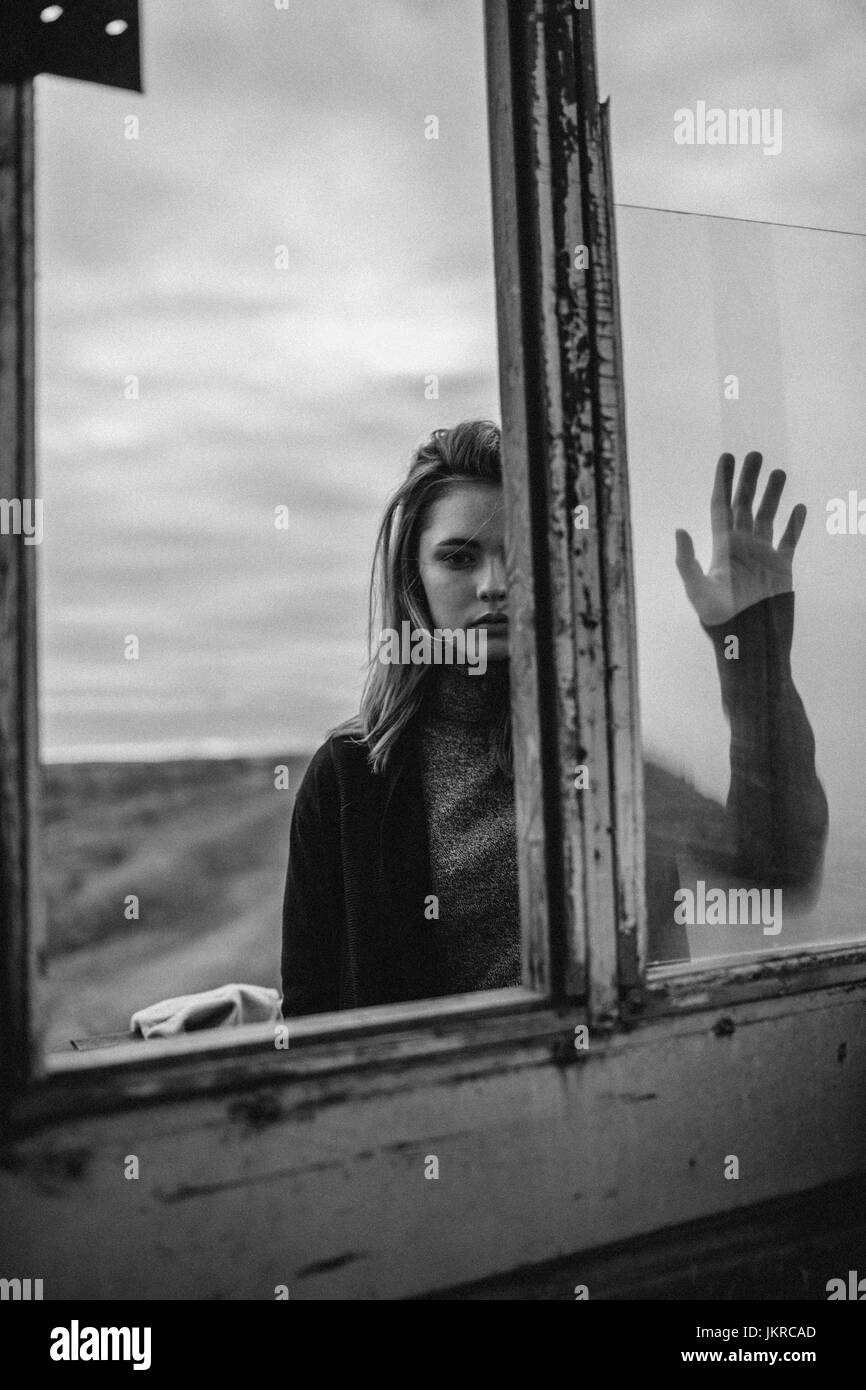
[461, 558]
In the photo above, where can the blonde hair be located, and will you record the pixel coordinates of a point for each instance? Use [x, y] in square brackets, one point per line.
[394, 693]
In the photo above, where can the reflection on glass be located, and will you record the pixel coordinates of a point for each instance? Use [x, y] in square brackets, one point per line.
[260, 285]
[743, 344]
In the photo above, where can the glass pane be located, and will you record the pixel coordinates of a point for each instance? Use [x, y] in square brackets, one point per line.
[744, 335]
[740, 338]
[666, 67]
[260, 287]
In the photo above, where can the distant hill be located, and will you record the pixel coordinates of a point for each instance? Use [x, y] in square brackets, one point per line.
[191, 839]
[676, 811]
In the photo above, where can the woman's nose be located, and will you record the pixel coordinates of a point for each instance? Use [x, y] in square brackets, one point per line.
[491, 585]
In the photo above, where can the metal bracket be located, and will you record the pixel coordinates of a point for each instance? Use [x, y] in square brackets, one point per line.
[92, 40]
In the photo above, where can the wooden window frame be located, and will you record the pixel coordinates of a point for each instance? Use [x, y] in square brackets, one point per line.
[574, 679]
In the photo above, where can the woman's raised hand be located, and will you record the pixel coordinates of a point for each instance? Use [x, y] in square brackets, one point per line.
[744, 567]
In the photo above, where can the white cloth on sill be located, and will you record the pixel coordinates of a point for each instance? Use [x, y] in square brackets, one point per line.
[227, 1006]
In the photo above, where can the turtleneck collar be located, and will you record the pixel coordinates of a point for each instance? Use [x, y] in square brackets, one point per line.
[460, 698]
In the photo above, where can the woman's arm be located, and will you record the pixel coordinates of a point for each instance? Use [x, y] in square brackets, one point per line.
[776, 809]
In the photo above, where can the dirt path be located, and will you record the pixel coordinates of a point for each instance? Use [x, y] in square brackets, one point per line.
[96, 990]
[203, 846]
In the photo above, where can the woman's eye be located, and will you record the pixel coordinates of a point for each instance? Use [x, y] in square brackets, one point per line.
[458, 559]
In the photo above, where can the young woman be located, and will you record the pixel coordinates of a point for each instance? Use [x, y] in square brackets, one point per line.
[402, 877]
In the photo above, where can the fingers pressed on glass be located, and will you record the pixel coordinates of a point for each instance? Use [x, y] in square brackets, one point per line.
[745, 492]
[720, 504]
[690, 571]
[686, 553]
[793, 530]
[766, 513]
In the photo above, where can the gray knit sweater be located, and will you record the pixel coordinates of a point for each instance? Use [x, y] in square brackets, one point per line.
[469, 808]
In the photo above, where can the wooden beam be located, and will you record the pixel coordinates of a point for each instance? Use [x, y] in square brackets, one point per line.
[624, 720]
[564, 442]
[18, 719]
[318, 1181]
[786, 1248]
[533, 692]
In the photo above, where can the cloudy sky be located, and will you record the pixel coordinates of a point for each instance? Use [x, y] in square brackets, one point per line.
[259, 386]
[305, 386]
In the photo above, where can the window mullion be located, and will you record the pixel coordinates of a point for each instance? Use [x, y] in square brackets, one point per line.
[18, 713]
[562, 416]
[569, 252]
[614, 519]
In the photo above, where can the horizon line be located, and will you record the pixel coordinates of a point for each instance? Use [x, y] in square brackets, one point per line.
[211, 749]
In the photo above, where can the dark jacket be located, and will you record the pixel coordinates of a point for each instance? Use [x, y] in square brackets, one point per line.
[354, 930]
